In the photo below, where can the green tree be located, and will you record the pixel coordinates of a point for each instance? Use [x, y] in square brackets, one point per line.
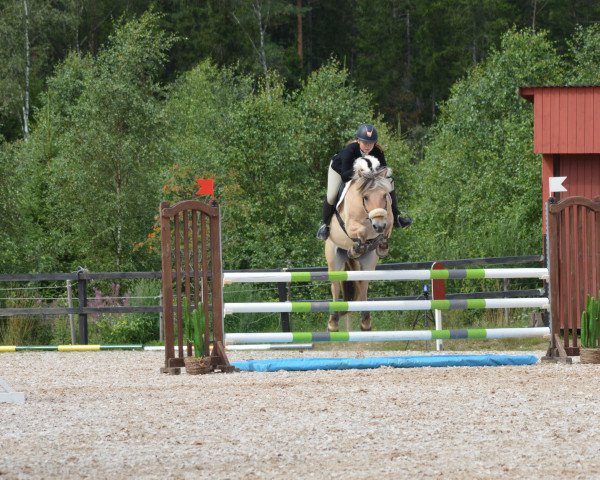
[269, 153]
[99, 151]
[9, 219]
[584, 49]
[26, 55]
[478, 189]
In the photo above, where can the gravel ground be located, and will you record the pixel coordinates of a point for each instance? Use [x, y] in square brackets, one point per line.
[113, 415]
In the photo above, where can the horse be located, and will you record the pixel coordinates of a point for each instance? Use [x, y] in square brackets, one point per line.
[359, 233]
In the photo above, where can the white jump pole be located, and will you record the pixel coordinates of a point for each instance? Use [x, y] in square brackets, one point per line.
[455, 274]
[384, 305]
[384, 336]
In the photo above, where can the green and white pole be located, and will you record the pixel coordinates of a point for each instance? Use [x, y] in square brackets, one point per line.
[384, 305]
[67, 348]
[385, 336]
[454, 274]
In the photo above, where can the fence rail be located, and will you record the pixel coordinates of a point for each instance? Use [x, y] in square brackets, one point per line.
[83, 277]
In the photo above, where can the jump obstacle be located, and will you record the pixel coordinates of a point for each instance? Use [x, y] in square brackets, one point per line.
[67, 348]
[385, 336]
[314, 363]
[8, 395]
[385, 305]
[455, 274]
[183, 248]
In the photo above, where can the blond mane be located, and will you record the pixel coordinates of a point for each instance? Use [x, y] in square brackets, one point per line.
[370, 180]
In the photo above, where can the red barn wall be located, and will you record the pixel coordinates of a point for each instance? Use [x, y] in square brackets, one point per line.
[583, 175]
[566, 119]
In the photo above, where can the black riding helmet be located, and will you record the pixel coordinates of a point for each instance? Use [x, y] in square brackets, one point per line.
[367, 133]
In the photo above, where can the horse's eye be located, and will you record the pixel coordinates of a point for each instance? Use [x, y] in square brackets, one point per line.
[366, 198]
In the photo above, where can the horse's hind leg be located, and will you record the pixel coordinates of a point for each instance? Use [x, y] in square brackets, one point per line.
[335, 262]
[367, 262]
[361, 296]
[333, 324]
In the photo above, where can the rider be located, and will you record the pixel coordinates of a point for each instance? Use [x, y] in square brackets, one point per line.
[341, 169]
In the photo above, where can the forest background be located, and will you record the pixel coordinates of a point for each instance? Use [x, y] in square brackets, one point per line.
[108, 108]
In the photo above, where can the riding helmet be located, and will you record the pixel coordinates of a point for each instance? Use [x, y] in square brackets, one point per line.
[367, 133]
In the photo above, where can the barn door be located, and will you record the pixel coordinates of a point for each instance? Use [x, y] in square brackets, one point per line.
[190, 236]
[574, 256]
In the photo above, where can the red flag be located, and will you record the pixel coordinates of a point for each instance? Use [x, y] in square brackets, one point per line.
[207, 186]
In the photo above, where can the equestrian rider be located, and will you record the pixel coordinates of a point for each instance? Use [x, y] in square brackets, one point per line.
[341, 169]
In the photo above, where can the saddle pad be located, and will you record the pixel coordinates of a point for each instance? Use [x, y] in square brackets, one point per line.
[342, 195]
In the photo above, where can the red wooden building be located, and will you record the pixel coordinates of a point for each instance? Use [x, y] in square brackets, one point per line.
[566, 132]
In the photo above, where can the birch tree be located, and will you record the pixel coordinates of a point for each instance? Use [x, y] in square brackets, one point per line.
[26, 34]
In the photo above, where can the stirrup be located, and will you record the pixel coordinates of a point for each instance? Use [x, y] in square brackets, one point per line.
[323, 233]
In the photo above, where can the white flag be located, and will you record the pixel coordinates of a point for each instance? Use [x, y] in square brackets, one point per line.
[556, 184]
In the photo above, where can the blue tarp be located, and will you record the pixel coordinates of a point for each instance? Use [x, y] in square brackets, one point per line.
[314, 363]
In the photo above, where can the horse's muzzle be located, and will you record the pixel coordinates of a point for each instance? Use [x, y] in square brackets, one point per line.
[378, 217]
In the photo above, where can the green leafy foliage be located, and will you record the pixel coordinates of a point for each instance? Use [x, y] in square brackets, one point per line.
[95, 160]
[268, 152]
[477, 190]
[584, 50]
[111, 141]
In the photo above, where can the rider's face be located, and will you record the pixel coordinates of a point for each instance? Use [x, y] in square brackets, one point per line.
[365, 147]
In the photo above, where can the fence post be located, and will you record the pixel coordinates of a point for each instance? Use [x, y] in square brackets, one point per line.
[70, 305]
[438, 292]
[82, 296]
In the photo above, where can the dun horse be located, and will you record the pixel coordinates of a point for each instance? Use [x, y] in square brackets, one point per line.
[358, 234]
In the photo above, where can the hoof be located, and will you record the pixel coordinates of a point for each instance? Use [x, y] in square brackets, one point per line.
[333, 326]
[357, 250]
[383, 249]
[365, 327]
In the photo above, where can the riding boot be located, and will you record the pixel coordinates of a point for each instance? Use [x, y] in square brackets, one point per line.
[328, 211]
[399, 221]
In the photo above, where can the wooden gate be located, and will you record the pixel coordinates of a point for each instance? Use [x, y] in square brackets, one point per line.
[574, 257]
[190, 236]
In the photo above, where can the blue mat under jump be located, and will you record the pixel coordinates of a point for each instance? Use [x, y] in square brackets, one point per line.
[313, 363]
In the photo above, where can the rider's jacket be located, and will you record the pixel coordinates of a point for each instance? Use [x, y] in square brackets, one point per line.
[343, 161]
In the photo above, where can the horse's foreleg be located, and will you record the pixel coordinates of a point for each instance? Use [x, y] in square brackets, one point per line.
[335, 262]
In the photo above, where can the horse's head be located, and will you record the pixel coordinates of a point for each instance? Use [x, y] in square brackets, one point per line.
[372, 184]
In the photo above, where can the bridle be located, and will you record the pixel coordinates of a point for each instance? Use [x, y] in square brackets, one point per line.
[372, 243]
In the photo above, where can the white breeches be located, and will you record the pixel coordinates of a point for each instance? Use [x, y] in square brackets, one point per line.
[334, 180]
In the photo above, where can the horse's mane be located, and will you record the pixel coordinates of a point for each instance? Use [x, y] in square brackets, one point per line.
[366, 178]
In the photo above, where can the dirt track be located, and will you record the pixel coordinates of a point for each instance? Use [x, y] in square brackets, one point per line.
[112, 415]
